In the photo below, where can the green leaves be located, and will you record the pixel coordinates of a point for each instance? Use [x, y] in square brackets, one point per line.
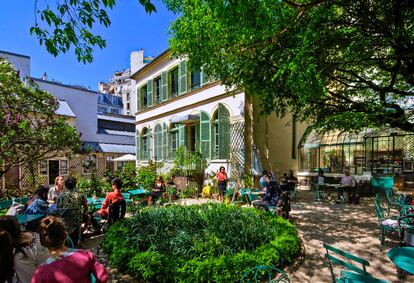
[70, 23]
[29, 129]
[206, 243]
[333, 64]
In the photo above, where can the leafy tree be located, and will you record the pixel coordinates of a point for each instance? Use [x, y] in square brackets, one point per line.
[336, 64]
[66, 23]
[29, 129]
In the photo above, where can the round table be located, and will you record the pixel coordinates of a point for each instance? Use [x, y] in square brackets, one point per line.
[403, 258]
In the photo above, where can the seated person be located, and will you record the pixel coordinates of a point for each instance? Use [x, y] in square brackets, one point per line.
[271, 196]
[292, 181]
[38, 202]
[318, 180]
[65, 265]
[73, 203]
[262, 179]
[348, 183]
[56, 190]
[110, 198]
[157, 191]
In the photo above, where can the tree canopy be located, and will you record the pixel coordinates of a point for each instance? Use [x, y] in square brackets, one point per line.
[30, 131]
[69, 23]
[336, 64]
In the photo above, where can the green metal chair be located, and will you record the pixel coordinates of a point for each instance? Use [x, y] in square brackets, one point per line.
[382, 222]
[319, 192]
[332, 257]
[349, 277]
[264, 273]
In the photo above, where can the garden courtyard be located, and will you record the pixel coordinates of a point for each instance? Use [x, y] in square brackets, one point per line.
[352, 228]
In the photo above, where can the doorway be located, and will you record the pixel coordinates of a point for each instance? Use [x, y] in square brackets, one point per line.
[53, 171]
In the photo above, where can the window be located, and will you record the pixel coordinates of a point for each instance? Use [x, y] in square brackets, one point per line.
[158, 142]
[145, 144]
[43, 168]
[114, 111]
[88, 163]
[102, 109]
[221, 130]
[63, 167]
[195, 79]
[157, 90]
[174, 138]
[174, 82]
[144, 97]
[128, 107]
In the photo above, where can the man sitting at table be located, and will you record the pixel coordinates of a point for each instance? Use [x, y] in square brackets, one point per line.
[111, 198]
[347, 183]
[271, 196]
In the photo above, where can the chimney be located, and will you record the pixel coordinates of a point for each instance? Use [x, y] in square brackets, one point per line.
[44, 76]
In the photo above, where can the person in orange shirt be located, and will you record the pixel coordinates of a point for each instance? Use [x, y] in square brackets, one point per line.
[221, 177]
[110, 198]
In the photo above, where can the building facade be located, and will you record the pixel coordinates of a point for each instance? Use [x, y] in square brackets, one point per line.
[179, 107]
[104, 136]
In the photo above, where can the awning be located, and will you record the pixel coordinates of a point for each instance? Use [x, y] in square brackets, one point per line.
[126, 157]
[109, 148]
[117, 148]
[190, 118]
[64, 109]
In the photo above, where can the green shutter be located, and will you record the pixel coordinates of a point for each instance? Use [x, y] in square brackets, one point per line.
[182, 135]
[182, 77]
[138, 99]
[138, 144]
[164, 141]
[204, 78]
[157, 142]
[224, 132]
[149, 92]
[205, 135]
[164, 86]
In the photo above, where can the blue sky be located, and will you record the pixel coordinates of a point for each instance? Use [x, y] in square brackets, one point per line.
[131, 29]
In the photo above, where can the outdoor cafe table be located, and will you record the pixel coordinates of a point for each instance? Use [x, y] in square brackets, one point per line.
[138, 192]
[25, 218]
[96, 202]
[403, 257]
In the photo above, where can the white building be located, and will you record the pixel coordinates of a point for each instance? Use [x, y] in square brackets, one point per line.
[106, 136]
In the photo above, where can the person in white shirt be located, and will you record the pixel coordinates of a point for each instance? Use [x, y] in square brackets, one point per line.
[56, 190]
[348, 183]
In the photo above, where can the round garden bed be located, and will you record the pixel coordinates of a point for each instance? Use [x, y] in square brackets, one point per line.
[206, 243]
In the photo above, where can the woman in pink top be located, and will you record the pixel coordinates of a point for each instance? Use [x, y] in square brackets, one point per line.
[221, 177]
[65, 265]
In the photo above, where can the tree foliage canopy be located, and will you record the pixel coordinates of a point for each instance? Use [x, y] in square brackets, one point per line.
[29, 129]
[66, 23]
[337, 64]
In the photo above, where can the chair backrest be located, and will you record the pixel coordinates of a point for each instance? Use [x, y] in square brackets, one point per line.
[263, 273]
[379, 211]
[117, 211]
[331, 255]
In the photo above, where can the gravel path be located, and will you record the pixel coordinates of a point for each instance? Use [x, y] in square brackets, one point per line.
[353, 228]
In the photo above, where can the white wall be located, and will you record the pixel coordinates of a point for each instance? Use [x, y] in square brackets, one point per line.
[19, 62]
[84, 104]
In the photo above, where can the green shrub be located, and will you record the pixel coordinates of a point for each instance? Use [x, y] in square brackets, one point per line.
[147, 175]
[207, 243]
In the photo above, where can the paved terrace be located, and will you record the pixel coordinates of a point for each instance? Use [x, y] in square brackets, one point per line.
[353, 228]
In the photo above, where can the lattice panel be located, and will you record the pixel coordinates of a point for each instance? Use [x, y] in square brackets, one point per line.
[100, 166]
[237, 149]
[75, 166]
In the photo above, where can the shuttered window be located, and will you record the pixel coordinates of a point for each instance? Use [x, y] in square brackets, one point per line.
[204, 78]
[174, 140]
[205, 134]
[157, 90]
[145, 144]
[164, 86]
[182, 135]
[195, 79]
[182, 77]
[158, 142]
[222, 133]
[164, 141]
[173, 82]
[144, 97]
[150, 92]
[138, 144]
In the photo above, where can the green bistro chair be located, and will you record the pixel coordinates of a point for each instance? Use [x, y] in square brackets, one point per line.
[263, 273]
[319, 192]
[386, 224]
[348, 262]
[349, 277]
